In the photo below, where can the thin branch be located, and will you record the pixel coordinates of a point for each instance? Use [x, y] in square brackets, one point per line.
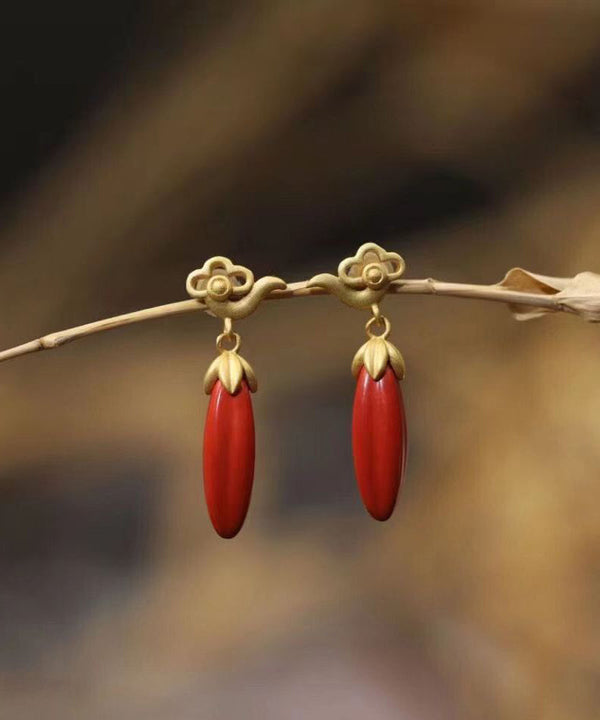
[428, 286]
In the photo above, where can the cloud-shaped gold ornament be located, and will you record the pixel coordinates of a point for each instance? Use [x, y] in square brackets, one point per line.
[229, 290]
[363, 279]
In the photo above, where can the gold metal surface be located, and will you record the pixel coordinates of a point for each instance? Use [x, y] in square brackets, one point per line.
[228, 290]
[229, 367]
[377, 353]
[361, 283]
[364, 279]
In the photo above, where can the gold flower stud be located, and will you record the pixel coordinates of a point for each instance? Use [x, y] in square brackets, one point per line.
[228, 290]
[363, 279]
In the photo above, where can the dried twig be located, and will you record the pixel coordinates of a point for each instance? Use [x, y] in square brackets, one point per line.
[528, 295]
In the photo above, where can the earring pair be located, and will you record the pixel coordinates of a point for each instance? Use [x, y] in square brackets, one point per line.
[379, 437]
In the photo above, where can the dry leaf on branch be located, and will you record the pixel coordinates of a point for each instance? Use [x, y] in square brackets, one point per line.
[579, 294]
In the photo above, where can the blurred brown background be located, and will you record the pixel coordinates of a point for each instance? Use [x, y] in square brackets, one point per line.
[137, 139]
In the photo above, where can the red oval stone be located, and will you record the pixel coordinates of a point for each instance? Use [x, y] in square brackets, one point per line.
[228, 458]
[379, 441]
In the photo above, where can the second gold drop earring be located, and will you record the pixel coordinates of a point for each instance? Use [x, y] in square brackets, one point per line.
[379, 436]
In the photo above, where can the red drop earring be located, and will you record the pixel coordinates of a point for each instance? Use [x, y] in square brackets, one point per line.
[379, 436]
[229, 292]
[229, 437]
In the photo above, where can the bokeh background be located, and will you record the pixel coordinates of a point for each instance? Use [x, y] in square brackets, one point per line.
[138, 139]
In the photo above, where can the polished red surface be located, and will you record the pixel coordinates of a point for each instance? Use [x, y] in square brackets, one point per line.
[228, 458]
[379, 441]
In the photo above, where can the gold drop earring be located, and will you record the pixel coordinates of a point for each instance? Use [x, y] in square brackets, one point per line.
[379, 435]
[230, 293]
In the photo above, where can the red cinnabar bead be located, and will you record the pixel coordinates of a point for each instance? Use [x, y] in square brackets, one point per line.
[228, 458]
[379, 441]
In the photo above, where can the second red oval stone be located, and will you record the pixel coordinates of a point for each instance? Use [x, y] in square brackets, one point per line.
[379, 441]
[228, 458]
